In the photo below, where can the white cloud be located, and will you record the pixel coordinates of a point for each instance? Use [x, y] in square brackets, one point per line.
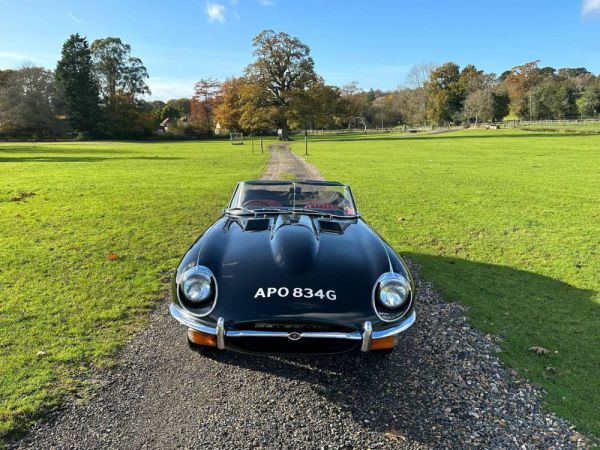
[266, 2]
[166, 89]
[590, 8]
[215, 12]
[75, 18]
[234, 2]
[236, 15]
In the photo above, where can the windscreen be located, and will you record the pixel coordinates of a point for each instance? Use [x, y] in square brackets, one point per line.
[329, 199]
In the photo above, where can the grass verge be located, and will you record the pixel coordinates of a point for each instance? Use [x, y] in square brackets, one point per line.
[504, 221]
[88, 235]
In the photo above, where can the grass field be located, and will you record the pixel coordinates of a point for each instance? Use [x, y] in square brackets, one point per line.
[506, 222]
[64, 208]
[563, 127]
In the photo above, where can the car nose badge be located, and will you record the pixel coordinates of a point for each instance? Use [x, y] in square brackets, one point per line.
[294, 336]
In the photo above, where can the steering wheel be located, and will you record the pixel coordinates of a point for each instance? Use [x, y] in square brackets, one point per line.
[261, 203]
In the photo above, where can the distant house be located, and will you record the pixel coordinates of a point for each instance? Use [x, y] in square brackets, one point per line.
[184, 121]
[165, 125]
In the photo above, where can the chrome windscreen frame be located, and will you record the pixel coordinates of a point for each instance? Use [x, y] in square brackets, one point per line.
[366, 336]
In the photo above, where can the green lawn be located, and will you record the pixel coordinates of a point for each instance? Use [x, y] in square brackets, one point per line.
[65, 307]
[506, 222]
[565, 127]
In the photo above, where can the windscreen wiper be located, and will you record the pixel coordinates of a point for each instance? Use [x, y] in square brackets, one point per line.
[325, 214]
[240, 209]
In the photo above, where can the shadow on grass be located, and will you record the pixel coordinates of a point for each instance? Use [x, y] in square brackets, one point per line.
[408, 390]
[57, 150]
[85, 159]
[492, 290]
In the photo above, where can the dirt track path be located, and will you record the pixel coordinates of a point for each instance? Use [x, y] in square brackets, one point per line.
[442, 388]
[286, 164]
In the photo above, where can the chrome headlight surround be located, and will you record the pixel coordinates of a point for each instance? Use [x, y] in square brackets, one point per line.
[396, 284]
[206, 301]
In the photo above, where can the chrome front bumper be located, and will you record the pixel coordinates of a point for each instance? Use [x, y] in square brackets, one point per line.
[366, 336]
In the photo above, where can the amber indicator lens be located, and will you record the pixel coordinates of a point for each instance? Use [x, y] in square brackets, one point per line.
[384, 343]
[200, 338]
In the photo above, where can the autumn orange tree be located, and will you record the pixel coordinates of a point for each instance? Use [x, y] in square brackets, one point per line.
[204, 104]
[229, 108]
[518, 82]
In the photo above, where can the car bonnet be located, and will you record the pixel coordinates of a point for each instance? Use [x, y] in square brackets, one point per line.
[294, 269]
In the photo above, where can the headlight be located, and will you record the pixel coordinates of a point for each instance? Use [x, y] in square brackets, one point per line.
[196, 284]
[393, 291]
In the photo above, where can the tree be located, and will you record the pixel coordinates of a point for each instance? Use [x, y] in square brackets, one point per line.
[412, 104]
[446, 94]
[317, 108]
[283, 68]
[129, 119]
[5, 76]
[117, 71]
[76, 85]
[156, 105]
[353, 102]
[204, 103]
[257, 111]
[501, 103]
[26, 103]
[416, 79]
[517, 83]
[471, 80]
[419, 74]
[479, 105]
[553, 99]
[169, 112]
[572, 72]
[386, 110]
[229, 111]
[121, 79]
[183, 105]
[590, 103]
[546, 72]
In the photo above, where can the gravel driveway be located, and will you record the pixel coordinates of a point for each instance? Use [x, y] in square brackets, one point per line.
[284, 163]
[442, 388]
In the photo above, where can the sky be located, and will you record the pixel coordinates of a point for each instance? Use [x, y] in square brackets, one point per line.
[371, 42]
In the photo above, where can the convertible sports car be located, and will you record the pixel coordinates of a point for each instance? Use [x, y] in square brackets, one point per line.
[292, 268]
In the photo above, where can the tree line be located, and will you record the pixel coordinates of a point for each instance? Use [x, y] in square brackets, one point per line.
[280, 89]
[97, 91]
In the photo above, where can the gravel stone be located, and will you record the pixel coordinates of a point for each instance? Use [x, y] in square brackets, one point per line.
[443, 387]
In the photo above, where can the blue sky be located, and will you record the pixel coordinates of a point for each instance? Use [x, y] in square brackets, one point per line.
[371, 42]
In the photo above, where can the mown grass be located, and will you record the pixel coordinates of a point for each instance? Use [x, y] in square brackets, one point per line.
[564, 127]
[64, 208]
[506, 222]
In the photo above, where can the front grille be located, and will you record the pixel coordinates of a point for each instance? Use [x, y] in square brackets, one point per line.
[289, 327]
[283, 345]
